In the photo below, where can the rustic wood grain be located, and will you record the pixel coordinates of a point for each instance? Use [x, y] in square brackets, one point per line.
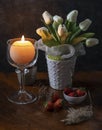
[33, 116]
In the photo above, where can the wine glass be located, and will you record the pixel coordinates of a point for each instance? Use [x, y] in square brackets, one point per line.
[22, 54]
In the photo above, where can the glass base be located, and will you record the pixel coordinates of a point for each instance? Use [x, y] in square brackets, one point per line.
[22, 97]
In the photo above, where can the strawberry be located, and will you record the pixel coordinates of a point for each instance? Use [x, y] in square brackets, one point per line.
[49, 106]
[55, 96]
[80, 92]
[67, 90]
[58, 104]
[73, 94]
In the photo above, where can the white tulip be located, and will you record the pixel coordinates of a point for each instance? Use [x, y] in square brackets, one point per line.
[58, 19]
[40, 30]
[47, 17]
[43, 32]
[84, 25]
[72, 16]
[62, 30]
[91, 42]
[43, 28]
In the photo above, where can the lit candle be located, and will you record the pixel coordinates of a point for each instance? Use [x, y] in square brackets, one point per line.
[22, 52]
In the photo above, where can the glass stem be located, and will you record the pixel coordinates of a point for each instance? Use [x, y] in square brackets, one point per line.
[22, 86]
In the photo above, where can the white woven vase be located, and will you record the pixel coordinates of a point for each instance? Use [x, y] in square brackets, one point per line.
[60, 72]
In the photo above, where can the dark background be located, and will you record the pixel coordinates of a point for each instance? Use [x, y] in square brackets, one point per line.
[19, 17]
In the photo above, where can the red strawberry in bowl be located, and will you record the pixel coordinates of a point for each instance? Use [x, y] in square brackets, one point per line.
[68, 90]
[80, 92]
[72, 94]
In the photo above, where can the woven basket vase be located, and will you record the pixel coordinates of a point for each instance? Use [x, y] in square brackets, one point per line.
[60, 72]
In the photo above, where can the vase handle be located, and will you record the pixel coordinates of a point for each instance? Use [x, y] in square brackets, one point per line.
[71, 52]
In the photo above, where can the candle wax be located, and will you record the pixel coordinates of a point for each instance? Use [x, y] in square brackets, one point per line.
[22, 52]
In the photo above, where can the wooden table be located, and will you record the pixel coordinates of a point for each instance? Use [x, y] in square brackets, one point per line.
[32, 116]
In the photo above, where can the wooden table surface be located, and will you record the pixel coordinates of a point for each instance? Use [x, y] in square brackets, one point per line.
[32, 116]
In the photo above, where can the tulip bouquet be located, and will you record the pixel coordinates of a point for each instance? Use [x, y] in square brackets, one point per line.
[57, 31]
[60, 32]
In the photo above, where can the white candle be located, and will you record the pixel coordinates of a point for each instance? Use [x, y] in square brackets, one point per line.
[22, 52]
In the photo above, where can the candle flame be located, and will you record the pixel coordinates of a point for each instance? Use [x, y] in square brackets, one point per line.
[23, 38]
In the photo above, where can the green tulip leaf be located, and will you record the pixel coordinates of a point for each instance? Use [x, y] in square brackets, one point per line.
[87, 35]
[50, 43]
[78, 40]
